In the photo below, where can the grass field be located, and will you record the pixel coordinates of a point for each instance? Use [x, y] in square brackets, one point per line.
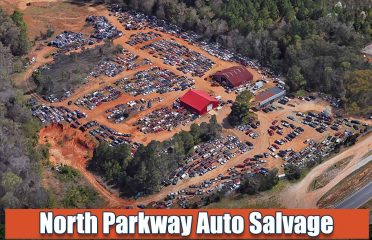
[329, 174]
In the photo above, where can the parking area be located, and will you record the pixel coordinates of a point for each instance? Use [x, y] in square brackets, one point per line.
[175, 54]
[103, 28]
[154, 80]
[207, 157]
[292, 141]
[50, 114]
[134, 21]
[122, 61]
[103, 133]
[165, 119]
[96, 98]
[122, 112]
[71, 41]
[142, 37]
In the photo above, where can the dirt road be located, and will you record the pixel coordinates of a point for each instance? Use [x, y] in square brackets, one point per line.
[298, 195]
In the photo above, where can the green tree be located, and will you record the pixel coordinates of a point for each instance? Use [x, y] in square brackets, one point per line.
[358, 86]
[22, 46]
[240, 113]
[292, 172]
[296, 80]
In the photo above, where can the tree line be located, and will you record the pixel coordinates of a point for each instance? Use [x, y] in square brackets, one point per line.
[20, 155]
[315, 44]
[151, 164]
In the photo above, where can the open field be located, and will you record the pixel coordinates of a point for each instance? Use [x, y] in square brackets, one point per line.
[59, 15]
[74, 147]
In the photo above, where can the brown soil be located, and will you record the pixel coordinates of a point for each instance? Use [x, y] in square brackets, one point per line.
[60, 15]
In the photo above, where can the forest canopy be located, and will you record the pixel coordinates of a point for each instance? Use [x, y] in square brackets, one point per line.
[19, 154]
[144, 172]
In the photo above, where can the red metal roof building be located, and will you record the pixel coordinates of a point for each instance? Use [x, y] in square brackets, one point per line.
[233, 77]
[198, 101]
[269, 96]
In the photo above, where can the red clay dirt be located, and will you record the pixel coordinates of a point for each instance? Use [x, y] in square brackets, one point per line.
[70, 147]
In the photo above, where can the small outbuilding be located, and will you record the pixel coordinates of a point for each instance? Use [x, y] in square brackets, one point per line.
[233, 77]
[199, 101]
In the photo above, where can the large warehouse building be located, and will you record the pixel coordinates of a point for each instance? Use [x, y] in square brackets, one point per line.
[198, 101]
[233, 77]
[269, 96]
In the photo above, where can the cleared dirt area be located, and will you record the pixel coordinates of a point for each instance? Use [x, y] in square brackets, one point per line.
[59, 15]
[22, 4]
[298, 195]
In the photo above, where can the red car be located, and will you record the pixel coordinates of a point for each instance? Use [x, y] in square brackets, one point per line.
[240, 166]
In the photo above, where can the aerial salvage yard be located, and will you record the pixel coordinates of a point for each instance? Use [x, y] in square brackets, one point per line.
[155, 81]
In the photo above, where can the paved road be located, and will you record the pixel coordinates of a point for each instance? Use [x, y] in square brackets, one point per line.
[358, 198]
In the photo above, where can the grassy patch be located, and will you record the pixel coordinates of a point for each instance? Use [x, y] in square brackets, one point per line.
[67, 173]
[50, 9]
[67, 188]
[300, 93]
[79, 197]
[329, 174]
[266, 199]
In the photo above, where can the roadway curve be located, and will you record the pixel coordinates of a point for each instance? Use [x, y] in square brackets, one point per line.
[298, 195]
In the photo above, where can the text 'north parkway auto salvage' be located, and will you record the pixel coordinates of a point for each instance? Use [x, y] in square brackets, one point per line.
[182, 225]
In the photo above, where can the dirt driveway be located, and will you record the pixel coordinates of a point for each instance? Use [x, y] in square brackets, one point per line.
[298, 195]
